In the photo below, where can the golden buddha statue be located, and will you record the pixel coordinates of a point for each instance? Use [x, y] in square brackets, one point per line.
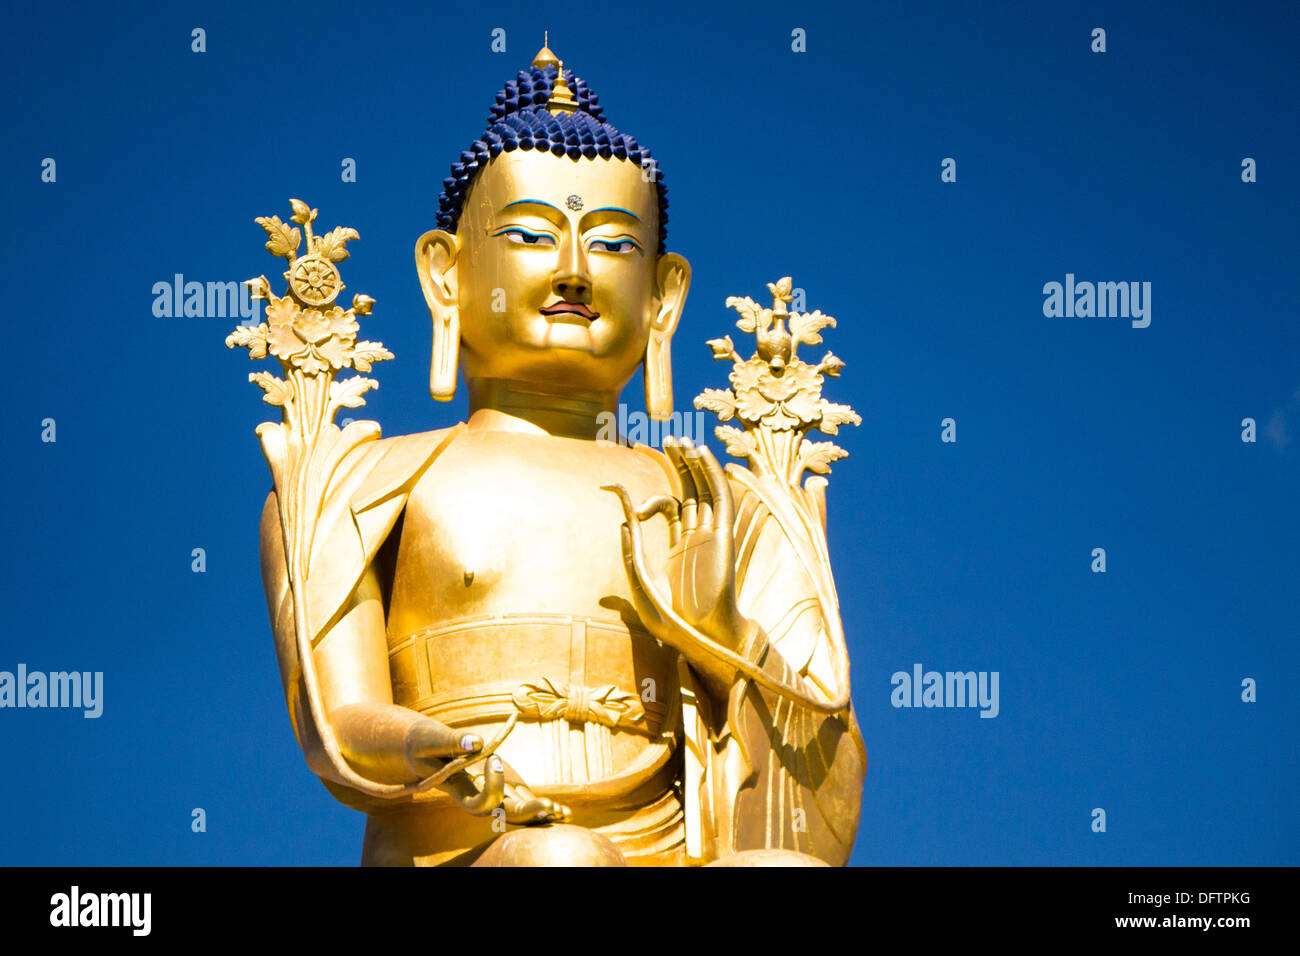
[511, 641]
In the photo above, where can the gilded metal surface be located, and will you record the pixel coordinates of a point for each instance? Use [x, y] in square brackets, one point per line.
[511, 642]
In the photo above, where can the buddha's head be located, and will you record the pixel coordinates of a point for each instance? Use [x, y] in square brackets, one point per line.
[548, 269]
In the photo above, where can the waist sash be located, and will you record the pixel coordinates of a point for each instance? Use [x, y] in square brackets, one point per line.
[565, 671]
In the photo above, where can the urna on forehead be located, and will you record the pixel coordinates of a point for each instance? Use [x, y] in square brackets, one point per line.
[523, 181]
[547, 109]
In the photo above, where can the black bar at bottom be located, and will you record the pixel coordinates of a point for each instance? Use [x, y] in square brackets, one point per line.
[392, 907]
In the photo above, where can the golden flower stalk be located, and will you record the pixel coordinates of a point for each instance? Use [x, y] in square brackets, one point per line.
[777, 399]
[776, 395]
[313, 339]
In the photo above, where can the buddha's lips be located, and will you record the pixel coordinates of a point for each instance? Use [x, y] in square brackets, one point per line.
[576, 308]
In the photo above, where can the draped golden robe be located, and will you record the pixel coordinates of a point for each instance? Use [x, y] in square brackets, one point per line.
[672, 776]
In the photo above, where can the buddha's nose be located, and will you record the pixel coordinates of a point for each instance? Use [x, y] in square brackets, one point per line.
[571, 281]
[572, 285]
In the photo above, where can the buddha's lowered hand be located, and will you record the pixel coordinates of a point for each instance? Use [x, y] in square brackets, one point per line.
[430, 742]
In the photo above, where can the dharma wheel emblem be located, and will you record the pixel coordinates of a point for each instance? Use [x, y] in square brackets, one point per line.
[315, 280]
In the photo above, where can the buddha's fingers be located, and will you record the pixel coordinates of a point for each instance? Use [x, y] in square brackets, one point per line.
[704, 492]
[451, 776]
[666, 505]
[491, 792]
[430, 739]
[645, 598]
[642, 598]
[670, 508]
[724, 507]
[535, 811]
[673, 448]
[554, 812]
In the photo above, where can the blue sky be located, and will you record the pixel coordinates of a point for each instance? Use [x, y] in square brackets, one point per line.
[1119, 690]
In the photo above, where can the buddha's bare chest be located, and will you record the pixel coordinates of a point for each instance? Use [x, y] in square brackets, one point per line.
[507, 523]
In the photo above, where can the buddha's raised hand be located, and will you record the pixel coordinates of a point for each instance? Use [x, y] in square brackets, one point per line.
[696, 589]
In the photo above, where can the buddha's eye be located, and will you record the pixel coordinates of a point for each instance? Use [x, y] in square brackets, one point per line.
[525, 238]
[622, 246]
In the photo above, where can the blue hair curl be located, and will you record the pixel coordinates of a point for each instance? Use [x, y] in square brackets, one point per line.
[519, 120]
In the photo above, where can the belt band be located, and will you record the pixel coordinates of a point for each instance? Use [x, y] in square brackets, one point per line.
[569, 668]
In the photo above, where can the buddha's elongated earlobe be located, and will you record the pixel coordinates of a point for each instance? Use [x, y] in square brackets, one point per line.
[658, 377]
[435, 259]
[446, 351]
[673, 280]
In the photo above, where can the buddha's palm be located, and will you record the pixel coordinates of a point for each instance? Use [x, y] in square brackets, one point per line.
[697, 585]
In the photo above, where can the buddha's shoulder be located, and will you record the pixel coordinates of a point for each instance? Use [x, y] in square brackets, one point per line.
[415, 444]
[377, 463]
[386, 463]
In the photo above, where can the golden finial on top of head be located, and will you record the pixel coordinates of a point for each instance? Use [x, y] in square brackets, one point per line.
[562, 100]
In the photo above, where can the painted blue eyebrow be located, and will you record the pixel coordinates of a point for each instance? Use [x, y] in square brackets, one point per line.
[534, 201]
[626, 212]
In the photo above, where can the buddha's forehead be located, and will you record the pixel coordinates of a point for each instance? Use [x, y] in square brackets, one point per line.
[596, 183]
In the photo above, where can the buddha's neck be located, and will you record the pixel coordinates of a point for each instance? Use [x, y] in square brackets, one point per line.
[567, 412]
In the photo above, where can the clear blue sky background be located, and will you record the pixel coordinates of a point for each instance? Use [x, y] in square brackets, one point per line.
[1118, 690]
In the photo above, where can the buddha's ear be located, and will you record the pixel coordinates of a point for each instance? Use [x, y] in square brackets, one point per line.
[435, 259]
[672, 282]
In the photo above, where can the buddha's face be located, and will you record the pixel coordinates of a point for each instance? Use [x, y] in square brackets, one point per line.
[555, 273]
